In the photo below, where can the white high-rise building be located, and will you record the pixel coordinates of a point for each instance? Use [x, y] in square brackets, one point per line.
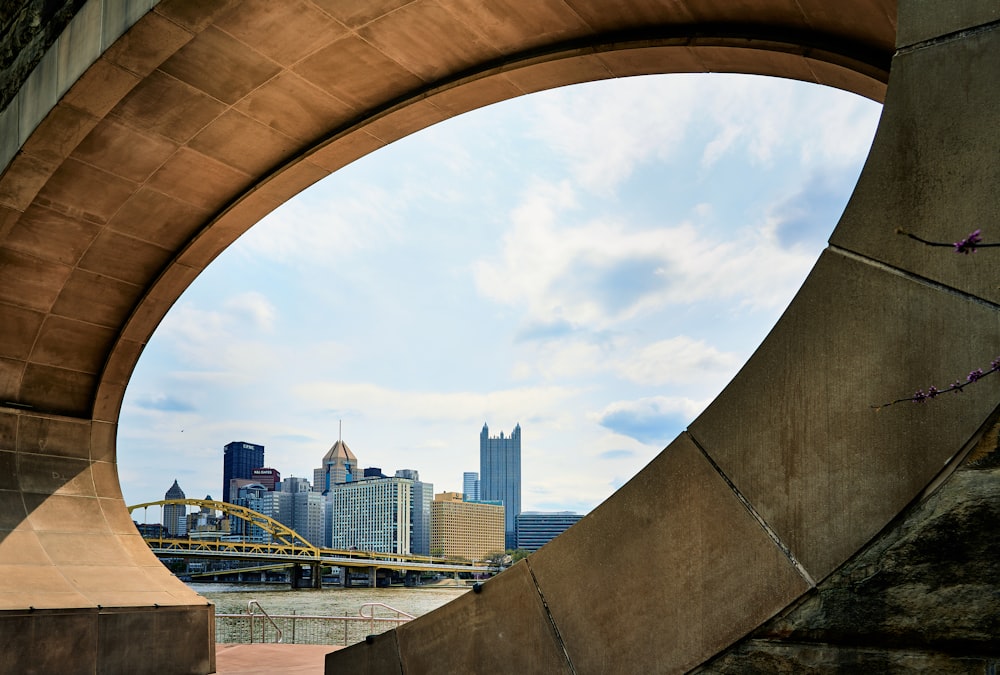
[371, 514]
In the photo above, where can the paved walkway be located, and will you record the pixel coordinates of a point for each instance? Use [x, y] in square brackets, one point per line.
[267, 659]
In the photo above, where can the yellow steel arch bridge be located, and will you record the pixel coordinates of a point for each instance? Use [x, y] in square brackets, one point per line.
[286, 546]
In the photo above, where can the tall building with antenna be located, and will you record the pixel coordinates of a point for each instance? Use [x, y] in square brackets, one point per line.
[339, 466]
[500, 476]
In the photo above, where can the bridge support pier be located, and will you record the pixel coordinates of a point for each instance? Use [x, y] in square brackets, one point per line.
[299, 580]
[372, 577]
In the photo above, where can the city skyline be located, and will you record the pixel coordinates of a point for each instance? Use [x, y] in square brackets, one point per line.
[598, 277]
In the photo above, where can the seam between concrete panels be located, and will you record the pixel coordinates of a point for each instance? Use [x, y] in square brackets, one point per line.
[948, 37]
[548, 614]
[768, 530]
[911, 276]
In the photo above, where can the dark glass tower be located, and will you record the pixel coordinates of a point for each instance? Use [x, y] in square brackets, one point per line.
[500, 476]
[239, 459]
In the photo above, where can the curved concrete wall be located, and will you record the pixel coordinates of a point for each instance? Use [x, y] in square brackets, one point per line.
[203, 117]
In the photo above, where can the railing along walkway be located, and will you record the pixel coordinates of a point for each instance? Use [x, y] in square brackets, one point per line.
[257, 625]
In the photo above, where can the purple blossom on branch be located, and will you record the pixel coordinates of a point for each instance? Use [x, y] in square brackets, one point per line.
[969, 244]
[957, 386]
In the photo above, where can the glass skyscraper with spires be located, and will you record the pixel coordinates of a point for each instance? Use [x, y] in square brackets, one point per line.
[500, 476]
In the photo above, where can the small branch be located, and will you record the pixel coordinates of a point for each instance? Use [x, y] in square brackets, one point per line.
[956, 387]
[966, 246]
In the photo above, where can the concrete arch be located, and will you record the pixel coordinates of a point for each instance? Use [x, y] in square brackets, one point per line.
[202, 117]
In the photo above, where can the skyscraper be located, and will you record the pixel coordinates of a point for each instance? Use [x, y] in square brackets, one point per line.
[422, 494]
[339, 466]
[470, 486]
[500, 476]
[239, 459]
[174, 515]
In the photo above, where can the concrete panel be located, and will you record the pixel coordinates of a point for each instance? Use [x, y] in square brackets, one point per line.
[21, 546]
[12, 511]
[796, 433]
[51, 235]
[62, 437]
[921, 20]
[284, 32]
[159, 219]
[428, 40]
[194, 15]
[75, 654]
[22, 180]
[377, 656]
[343, 69]
[220, 66]
[932, 171]
[511, 26]
[675, 543]
[505, 627]
[124, 646]
[47, 474]
[57, 390]
[244, 144]
[59, 133]
[84, 192]
[102, 442]
[8, 465]
[11, 373]
[78, 345]
[124, 258]
[202, 182]
[295, 107]
[356, 13]
[121, 151]
[18, 331]
[414, 117]
[101, 88]
[472, 95]
[106, 481]
[65, 513]
[27, 281]
[165, 105]
[147, 44]
[96, 298]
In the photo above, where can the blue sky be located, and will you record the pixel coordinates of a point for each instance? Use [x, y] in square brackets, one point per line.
[594, 262]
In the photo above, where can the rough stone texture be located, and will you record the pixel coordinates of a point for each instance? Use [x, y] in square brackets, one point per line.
[27, 30]
[923, 597]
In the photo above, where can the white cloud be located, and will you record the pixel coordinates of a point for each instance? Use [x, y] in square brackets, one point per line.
[599, 273]
[678, 360]
[463, 407]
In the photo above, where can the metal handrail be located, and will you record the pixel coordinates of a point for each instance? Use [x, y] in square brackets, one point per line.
[250, 606]
[373, 605]
[372, 618]
[361, 617]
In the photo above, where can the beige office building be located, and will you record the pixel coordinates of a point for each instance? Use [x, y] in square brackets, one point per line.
[470, 530]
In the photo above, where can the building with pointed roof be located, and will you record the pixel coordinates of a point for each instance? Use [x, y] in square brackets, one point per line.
[340, 465]
[175, 515]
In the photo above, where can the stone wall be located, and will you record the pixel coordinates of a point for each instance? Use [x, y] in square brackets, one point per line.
[27, 30]
[924, 597]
